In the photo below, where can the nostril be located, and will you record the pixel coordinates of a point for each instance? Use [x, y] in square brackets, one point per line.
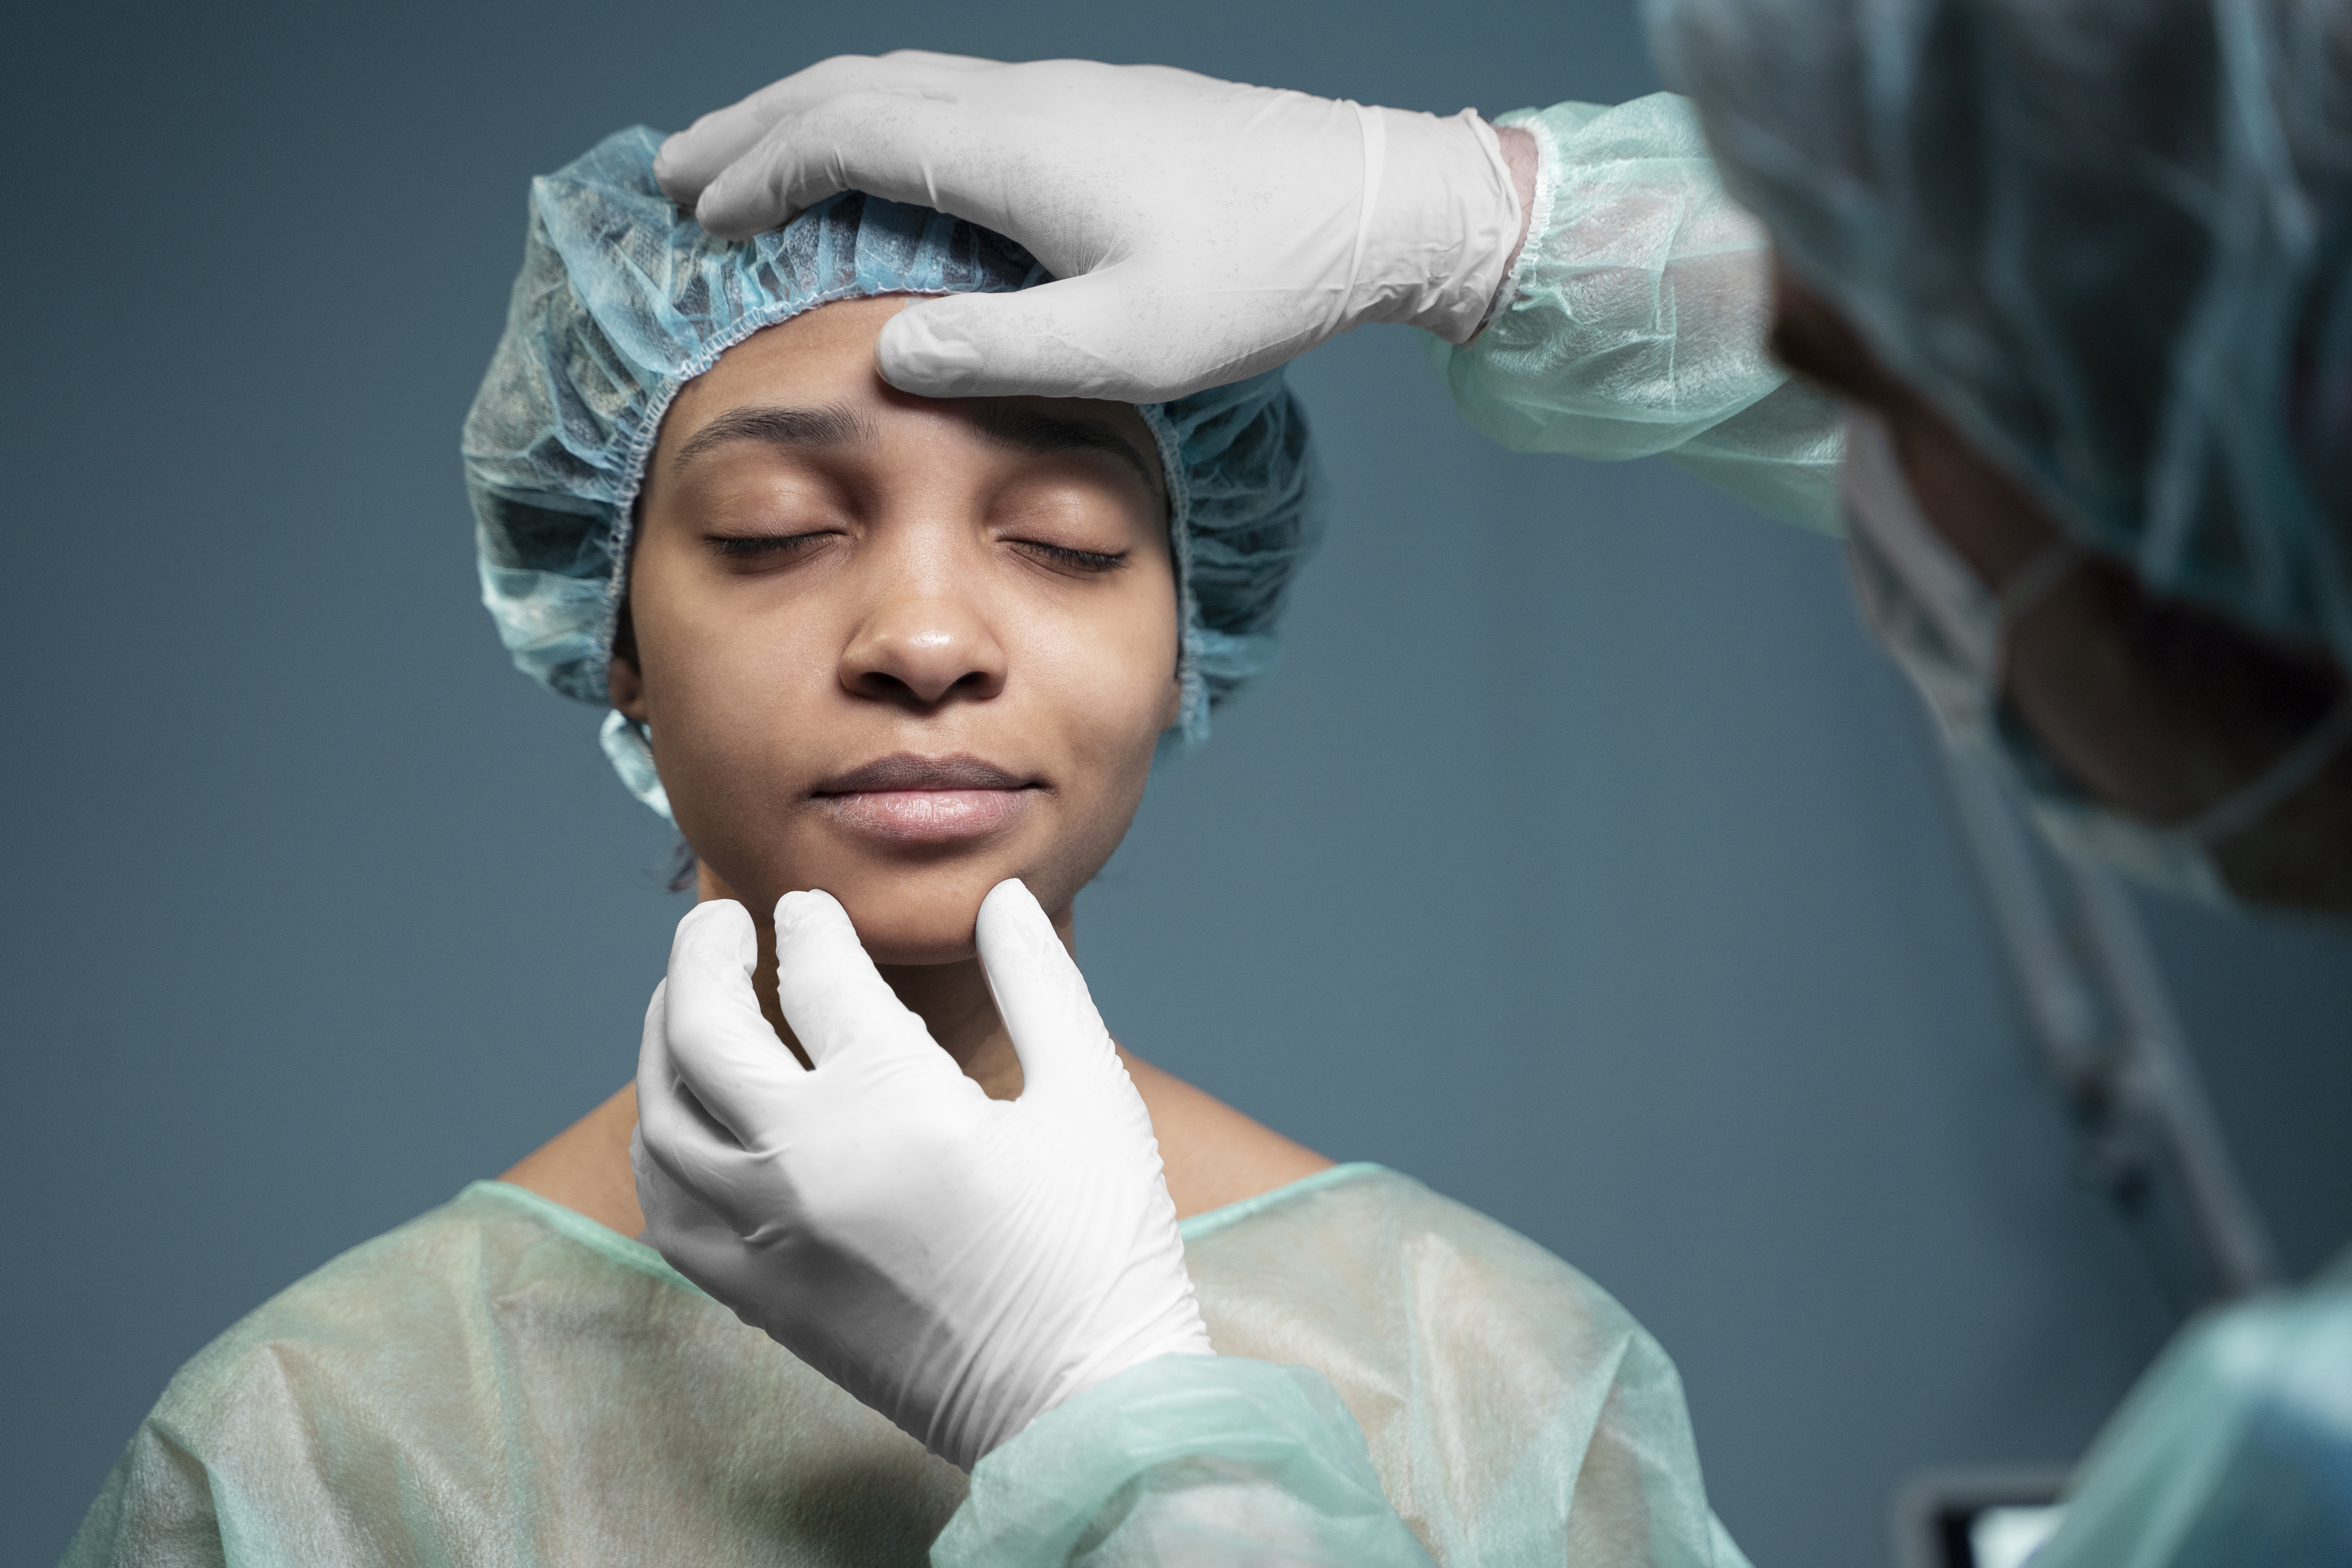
[884, 687]
[887, 687]
[923, 662]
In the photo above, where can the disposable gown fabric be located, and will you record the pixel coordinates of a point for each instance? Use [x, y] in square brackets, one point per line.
[1184, 1459]
[2235, 1451]
[623, 299]
[1634, 321]
[504, 1381]
[2111, 240]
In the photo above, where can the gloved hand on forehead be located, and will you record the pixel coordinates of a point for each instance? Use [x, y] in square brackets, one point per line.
[960, 1263]
[1201, 231]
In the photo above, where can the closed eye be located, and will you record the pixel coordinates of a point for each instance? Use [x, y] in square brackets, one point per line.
[1063, 556]
[754, 546]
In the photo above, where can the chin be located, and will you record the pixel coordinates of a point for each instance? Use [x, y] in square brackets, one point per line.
[916, 949]
[916, 921]
[908, 910]
[916, 914]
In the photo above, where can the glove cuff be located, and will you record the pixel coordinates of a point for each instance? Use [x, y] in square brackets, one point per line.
[1440, 217]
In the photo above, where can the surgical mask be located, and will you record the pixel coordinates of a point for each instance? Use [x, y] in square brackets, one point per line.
[1928, 609]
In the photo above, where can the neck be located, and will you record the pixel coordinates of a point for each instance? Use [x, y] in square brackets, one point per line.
[951, 999]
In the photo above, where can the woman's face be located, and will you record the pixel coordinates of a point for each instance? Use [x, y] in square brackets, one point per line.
[894, 648]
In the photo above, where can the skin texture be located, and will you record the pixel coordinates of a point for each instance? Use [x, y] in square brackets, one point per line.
[830, 573]
[2158, 709]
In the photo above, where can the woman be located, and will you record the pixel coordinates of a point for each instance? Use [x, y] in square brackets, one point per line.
[905, 651]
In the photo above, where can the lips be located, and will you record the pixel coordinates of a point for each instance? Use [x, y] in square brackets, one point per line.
[907, 799]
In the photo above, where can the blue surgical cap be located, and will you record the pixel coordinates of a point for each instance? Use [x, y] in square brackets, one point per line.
[624, 300]
[2111, 240]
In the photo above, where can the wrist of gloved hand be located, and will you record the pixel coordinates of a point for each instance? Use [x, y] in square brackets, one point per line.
[1441, 220]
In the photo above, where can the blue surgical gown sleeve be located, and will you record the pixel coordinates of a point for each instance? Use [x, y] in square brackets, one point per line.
[1634, 321]
[2235, 1451]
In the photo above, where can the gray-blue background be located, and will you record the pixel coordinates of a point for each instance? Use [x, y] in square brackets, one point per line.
[1583, 861]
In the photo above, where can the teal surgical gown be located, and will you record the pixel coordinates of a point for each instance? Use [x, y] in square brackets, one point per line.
[2235, 1450]
[503, 1381]
[1634, 321]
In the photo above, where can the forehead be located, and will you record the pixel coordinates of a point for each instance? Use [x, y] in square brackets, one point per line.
[820, 356]
[825, 358]
[829, 348]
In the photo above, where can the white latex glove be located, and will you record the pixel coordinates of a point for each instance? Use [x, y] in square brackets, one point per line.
[1200, 231]
[961, 1264]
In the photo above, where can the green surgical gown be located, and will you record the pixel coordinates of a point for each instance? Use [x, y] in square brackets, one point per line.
[2235, 1450]
[1634, 321]
[503, 1381]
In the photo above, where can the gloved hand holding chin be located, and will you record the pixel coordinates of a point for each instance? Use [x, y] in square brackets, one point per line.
[958, 1263]
[1201, 231]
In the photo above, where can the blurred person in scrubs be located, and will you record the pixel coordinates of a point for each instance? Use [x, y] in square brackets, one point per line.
[2066, 290]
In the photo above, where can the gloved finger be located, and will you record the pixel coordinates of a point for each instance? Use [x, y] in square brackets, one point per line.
[695, 156]
[652, 1184]
[721, 1044]
[673, 1210]
[689, 160]
[666, 1204]
[1040, 994]
[674, 1130]
[916, 147]
[938, 59]
[833, 997]
[698, 1240]
[1089, 336]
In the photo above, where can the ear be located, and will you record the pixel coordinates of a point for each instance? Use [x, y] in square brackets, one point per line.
[624, 685]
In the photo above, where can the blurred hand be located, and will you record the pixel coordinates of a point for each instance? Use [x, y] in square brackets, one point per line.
[961, 1264]
[1200, 231]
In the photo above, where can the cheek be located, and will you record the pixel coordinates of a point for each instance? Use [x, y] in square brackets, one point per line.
[1110, 673]
[724, 677]
[1101, 679]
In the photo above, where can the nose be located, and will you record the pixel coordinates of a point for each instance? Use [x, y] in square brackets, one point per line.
[920, 651]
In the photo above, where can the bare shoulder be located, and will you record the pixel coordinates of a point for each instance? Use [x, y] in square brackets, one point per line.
[586, 1168]
[1215, 1154]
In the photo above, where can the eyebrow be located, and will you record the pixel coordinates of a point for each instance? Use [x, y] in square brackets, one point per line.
[828, 425]
[999, 424]
[1027, 430]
